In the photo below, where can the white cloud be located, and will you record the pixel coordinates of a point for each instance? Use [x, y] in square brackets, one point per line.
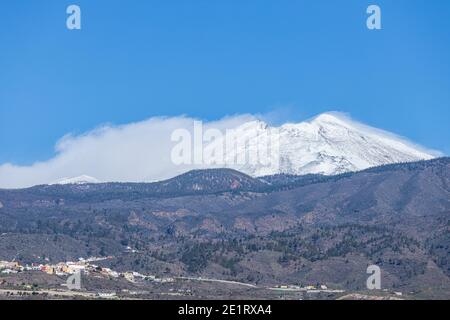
[134, 152]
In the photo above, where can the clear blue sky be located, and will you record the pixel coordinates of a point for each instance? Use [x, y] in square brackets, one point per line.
[136, 59]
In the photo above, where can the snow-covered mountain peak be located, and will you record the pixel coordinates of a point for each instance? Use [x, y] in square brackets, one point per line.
[331, 144]
[83, 179]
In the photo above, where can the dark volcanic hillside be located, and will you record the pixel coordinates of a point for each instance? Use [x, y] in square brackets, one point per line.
[211, 181]
[224, 224]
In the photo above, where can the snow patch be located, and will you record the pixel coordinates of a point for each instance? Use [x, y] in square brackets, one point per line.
[83, 179]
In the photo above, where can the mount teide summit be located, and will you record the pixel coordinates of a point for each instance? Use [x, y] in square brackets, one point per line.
[331, 144]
